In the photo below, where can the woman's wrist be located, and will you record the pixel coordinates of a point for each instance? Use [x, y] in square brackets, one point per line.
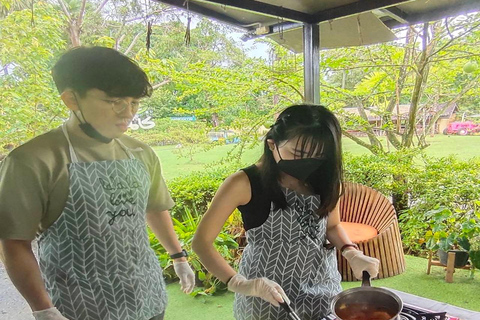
[349, 246]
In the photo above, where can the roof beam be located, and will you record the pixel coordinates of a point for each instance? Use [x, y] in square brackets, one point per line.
[396, 14]
[272, 29]
[192, 6]
[354, 8]
[465, 6]
[265, 8]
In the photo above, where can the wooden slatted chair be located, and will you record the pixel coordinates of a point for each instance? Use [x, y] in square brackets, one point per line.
[363, 209]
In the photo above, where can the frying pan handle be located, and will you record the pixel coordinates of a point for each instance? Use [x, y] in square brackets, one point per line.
[366, 279]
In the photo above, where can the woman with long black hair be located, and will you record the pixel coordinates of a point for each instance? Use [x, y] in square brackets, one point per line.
[288, 202]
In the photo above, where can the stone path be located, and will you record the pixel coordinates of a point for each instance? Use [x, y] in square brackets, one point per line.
[12, 304]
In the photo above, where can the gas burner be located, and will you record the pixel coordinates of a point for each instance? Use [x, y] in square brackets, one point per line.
[405, 316]
[414, 313]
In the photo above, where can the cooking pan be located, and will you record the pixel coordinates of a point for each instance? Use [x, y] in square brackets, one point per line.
[366, 303]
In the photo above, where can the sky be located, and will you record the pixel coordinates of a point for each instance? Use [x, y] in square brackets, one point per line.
[253, 48]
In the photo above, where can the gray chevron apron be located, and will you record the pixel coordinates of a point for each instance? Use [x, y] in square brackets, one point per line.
[96, 259]
[288, 248]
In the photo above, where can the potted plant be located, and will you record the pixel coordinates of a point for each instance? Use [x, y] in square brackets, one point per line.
[451, 231]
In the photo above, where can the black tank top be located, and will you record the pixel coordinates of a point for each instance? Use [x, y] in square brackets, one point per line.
[255, 212]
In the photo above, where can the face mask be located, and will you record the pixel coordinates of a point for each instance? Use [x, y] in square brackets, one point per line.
[299, 168]
[89, 130]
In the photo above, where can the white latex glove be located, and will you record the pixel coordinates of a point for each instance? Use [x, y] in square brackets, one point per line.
[186, 276]
[264, 288]
[360, 262]
[48, 314]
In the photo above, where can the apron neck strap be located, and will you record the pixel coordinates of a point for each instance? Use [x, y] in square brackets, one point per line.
[73, 155]
[126, 149]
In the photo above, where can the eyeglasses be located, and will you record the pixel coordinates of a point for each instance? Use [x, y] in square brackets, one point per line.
[119, 105]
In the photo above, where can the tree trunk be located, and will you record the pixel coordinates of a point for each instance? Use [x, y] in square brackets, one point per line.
[400, 83]
[400, 200]
[74, 32]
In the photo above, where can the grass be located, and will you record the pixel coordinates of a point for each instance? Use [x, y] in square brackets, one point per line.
[464, 292]
[464, 147]
[174, 166]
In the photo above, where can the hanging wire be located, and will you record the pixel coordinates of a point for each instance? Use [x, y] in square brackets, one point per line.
[359, 26]
[32, 21]
[280, 29]
[148, 41]
[149, 34]
[189, 19]
[330, 24]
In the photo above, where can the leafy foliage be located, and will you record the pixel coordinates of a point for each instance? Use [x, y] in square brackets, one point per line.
[195, 191]
[185, 228]
[443, 201]
[29, 104]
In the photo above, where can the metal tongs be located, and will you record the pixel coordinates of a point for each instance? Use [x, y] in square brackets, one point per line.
[290, 311]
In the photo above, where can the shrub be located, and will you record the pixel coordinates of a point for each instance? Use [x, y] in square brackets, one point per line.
[444, 182]
[388, 173]
[196, 190]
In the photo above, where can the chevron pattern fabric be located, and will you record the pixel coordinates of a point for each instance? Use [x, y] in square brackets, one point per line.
[96, 258]
[288, 249]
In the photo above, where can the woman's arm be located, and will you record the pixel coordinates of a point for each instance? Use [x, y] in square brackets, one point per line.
[335, 232]
[357, 260]
[234, 191]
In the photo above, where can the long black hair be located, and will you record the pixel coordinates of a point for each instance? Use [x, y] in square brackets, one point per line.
[318, 128]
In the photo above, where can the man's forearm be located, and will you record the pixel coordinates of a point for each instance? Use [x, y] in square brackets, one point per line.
[162, 226]
[23, 270]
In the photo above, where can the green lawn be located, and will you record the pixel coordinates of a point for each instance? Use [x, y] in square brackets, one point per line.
[440, 145]
[464, 292]
[464, 147]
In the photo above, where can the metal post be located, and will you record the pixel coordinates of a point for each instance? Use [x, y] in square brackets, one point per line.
[311, 62]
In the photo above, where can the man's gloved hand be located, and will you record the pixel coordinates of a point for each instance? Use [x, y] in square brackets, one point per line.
[264, 288]
[48, 314]
[360, 262]
[186, 276]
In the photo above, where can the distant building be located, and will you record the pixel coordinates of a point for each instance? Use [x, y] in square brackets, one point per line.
[424, 116]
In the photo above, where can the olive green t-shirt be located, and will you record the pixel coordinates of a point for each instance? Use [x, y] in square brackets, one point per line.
[34, 179]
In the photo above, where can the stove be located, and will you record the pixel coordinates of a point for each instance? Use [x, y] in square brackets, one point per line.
[410, 312]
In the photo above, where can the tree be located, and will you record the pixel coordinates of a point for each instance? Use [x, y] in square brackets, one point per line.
[424, 71]
[28, 98]
[210, 76]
